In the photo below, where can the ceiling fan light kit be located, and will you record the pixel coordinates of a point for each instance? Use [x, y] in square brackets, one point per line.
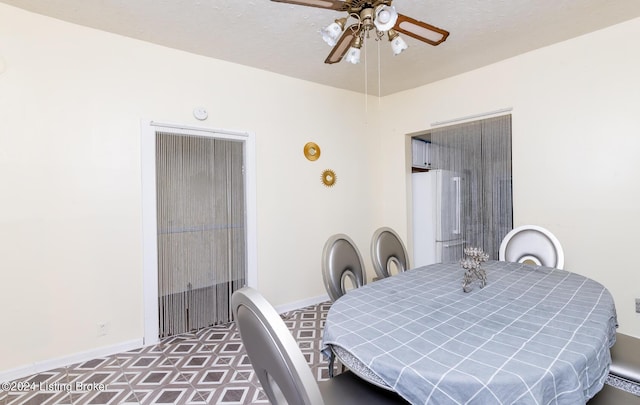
[332, 32]
[353, 54]
[386, 17]
[377, 17]
[397, 43]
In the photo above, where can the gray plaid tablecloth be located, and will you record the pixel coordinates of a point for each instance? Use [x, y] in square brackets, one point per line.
[533, 335]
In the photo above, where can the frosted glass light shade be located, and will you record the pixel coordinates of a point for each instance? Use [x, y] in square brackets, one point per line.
[398, 45]
[353, 55]
[385, 18]
[331, 33]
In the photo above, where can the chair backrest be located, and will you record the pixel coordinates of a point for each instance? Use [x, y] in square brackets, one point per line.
[387, 249]
[274, 354]
[531, 243]
[341, 263]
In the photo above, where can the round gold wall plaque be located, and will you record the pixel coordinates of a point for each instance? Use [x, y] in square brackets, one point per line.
[311, 151]
[329, 178]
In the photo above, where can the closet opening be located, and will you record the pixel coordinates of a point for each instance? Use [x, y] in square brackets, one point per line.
[199, 228]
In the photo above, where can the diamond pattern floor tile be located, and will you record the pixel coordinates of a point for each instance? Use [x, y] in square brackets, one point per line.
[209, 366]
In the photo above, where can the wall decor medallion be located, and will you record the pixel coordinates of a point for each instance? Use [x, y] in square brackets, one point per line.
[329, 178]
[311, 151]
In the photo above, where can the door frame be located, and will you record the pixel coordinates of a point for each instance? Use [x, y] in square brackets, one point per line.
[149, 211]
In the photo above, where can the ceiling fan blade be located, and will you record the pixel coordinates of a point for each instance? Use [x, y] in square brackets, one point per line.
[343, 45]
[328, 4]
[420, 30]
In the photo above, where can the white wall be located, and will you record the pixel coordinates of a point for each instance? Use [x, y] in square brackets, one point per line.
[575, 148]
[71, 101]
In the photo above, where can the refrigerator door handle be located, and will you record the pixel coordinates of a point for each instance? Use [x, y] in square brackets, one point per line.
[456, 181]
[453, 244]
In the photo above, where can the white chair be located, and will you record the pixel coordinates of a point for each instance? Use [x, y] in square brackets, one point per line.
[387, 250]
[282, 369]
[341, 264]
[532, 244]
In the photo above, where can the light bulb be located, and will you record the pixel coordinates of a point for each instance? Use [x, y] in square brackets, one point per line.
[384, 16]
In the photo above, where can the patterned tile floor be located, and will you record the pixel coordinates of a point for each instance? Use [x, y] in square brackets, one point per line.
[207, 367]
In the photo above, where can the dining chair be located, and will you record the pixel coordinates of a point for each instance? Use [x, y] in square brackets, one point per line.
[341, 265]
[532, 244]
[282, 368]
[388, 250]
[613, 396]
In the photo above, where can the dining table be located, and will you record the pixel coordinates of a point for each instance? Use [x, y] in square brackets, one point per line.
[531, 335]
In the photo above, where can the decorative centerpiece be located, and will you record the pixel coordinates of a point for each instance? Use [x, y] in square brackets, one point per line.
[474, 257]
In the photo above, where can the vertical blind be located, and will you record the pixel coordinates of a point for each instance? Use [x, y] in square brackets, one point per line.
[480, 153]
[201, 230]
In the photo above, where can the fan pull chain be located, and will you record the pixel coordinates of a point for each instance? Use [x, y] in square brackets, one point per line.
[379, 73]
[366, 80]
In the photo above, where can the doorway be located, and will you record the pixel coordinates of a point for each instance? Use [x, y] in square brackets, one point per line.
[199, 225]
[462, 195]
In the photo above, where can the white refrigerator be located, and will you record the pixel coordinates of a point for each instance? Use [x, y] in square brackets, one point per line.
[437, 217]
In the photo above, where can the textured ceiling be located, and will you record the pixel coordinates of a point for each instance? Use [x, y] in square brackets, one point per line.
[285, 38]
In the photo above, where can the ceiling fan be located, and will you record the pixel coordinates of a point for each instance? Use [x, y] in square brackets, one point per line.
[376, 17]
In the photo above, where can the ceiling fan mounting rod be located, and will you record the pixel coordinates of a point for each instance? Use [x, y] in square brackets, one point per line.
[356, 5]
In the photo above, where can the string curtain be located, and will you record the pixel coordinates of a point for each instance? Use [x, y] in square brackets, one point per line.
[201, 230]
[480, 153]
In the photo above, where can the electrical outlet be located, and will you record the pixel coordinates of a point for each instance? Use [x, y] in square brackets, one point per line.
[103, 328]
[638, 305]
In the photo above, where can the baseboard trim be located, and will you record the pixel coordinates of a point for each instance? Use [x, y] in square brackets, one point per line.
[46, 365]
[41, 366]
[292, 306]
